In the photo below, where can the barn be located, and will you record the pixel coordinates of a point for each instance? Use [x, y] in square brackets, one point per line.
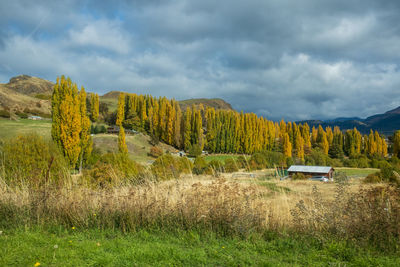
[311, 170]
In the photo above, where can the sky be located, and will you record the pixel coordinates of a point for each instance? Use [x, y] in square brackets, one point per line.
[281, 59]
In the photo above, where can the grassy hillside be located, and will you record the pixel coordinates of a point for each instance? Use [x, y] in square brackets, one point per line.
[11, 128]
[216, 103]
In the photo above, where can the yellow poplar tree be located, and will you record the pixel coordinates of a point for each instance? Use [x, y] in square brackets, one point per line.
[120, 110]
[86, 140]
[287, 146]
[122, 147]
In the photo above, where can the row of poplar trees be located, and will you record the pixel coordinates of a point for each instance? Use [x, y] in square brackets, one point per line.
[227, 131]
[71, 120]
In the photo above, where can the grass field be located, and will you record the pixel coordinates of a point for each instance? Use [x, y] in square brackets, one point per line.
[11, 128]
[356, 172]
[221, 157]
[62, 247]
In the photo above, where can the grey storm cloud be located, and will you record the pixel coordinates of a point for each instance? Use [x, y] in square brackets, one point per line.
[281, 59]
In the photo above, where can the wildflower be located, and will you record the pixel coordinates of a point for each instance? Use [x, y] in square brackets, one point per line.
[55, 246]
[223, 247]
[1, 232]
[94, 214]
[37, 264]
[70, 241]
[73, 227]
[98, 244]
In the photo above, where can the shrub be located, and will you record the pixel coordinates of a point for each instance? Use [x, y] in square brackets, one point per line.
[4, 113]
[373, 178]
[194, 150]
[299, 176]
[257, 161]
[215, 167]
[168, 167]
[231, 165]
[22, 115]
[241, 162]
[273, 158]
[155, 151]
[200, 165]
[113, 169]
[29, 159]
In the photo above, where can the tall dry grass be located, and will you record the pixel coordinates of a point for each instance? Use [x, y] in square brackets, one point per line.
[369, 215]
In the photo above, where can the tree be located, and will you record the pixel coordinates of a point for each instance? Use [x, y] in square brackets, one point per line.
[287, 146]
[70, 127]
[94, 107]
[86, 140]
[396, 144]
[120, 110]
[122, 148]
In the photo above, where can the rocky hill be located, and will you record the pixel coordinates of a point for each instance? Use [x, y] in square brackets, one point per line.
[26, 94]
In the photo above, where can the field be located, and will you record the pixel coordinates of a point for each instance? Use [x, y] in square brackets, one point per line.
[77, 242]
[11, 128]
[221, 157]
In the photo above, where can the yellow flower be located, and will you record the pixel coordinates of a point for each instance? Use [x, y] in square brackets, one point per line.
[73, 227]
[223, 247]
[37, 264]
[94, 214]
[98, 244]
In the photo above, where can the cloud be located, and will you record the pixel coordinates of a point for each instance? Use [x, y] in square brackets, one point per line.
[277, 58]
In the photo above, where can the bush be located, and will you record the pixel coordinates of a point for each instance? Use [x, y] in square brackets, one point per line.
[113, 169]
[200, 165]
[29, 159]
[373, 178]
[22, 115]
[194, 150]
[168, 167]
[274, 159]
[257, 161]
[231, 165]
[215, 167]
[155, 152]
[299, 176]
[4, 113]
[242, 162]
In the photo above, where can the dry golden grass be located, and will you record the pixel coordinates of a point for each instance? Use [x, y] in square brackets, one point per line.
[237, 206]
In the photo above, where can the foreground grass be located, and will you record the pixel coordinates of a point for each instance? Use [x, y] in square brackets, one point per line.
[66, 247]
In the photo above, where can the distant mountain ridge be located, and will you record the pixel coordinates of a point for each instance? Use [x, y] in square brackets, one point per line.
[386, 123]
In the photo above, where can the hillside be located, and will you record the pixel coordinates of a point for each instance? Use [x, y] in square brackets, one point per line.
[385, 123]
[216, 103]
[111, 99]
[28, 85]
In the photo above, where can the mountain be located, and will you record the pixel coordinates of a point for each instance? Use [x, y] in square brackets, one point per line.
[386, 123]
[26, 94]
[28, 85]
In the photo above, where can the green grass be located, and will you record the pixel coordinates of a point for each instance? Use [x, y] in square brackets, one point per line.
[111, 102]
[11, 128]
[220, 157]
[356, 172]
[25, 247]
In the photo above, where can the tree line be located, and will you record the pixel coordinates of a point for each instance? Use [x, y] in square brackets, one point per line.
[227, 131]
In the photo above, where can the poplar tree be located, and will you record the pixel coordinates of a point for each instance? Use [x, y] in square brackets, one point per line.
[94, 107]
[86, 140]
[187, 132]
[120, 110]
[122, 147]
[70, 127]
[287, 146]
[396, 144]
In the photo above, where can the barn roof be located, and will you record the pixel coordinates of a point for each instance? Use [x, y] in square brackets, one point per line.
[310, 169]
